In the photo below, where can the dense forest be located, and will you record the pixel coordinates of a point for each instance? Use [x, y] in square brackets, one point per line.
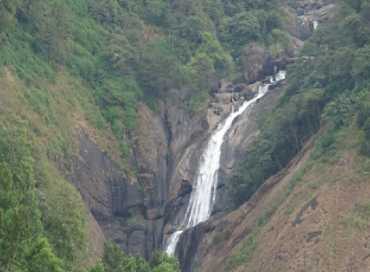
[127, 51]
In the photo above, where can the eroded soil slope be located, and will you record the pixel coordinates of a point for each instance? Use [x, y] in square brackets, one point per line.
[313, 216]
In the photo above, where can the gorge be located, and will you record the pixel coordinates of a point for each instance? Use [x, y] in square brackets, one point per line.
[193, 136]
[203, 196]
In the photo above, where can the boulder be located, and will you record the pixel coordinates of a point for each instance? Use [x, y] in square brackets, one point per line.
[225, 86]
[224, 98]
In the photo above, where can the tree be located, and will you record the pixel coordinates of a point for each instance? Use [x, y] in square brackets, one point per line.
[22, 244]
[19, 215]
[51, 26]
[115, 260]
[105, 11]
[159, 69]
[42, 259]
[361, 64]
[97, 268]
[164, 263]
[7, 13]
[242, 28]
[155, 11]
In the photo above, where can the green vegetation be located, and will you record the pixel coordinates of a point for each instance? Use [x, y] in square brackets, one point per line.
[329, 85]
[358, 219]
[245, 253]
[47, 232]
[283, 134]
[116, 261]
[127, 51]
[23, 240]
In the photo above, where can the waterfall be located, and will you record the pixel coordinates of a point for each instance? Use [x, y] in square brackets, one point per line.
[315, 25]
[203, 196]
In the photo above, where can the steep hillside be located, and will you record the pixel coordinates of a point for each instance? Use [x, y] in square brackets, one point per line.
[311, 216]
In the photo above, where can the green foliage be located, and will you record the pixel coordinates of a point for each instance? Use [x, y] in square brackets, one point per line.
[245, 26]
[97, 268]
[163, 263]
[361, 64]
[155, 11]
[123, 49]
[23, 245]
[115, 260]
[221, 61]
[252, 25]
[64, 219]
[158, 69]
[7, 13]
[244, 254]
[326, 145]
[50, 24]
[358, 218]
[283, 135]
[365, 149]
[329, 84]
[42, 259]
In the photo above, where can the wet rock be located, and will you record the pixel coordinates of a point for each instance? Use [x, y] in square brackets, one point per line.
[136, 240]
[225, 86]
[185, 189]
[248, 93]
[188, 247]
[224, 98]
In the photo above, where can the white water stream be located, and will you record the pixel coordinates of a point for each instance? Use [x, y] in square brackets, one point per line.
[315, 25]
[203, 195]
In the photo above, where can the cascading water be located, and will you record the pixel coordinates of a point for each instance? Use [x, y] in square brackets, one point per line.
[315, 25]
[203, 195]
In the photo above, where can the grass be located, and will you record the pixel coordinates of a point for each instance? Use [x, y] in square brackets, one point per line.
[359, 218]
[64, 215]
[245, 252]
[327, 150]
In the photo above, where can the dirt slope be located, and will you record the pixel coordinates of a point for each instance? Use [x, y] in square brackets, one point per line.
[313, 216]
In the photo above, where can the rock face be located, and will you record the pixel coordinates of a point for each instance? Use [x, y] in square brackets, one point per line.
[133, 213]
[108, 195]
[188, 246]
